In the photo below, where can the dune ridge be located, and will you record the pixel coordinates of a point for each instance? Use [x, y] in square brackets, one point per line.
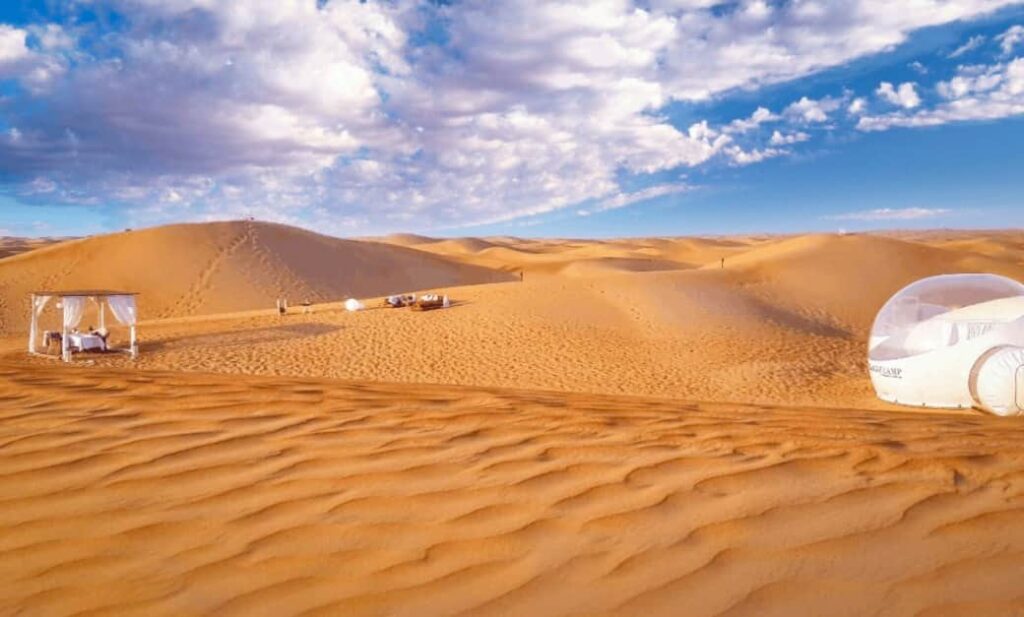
[785, 321]
[196, 269]
[13, 245]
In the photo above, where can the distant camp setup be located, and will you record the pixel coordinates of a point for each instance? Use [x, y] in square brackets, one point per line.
[952, 341]
[72, 305]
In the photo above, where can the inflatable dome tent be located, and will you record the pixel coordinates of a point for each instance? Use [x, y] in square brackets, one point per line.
[952, 341]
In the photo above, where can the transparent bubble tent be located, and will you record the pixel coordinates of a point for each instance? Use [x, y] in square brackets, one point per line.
[952, 341]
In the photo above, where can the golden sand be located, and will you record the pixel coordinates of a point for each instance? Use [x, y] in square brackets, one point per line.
[636, 428]
[155, 493]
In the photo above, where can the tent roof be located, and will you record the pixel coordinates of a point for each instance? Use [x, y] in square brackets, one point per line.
[85, 292]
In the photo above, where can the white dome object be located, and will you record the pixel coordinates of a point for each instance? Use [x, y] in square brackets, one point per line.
[929, 336]
[997, 381]
[354, 305]
[920, 316]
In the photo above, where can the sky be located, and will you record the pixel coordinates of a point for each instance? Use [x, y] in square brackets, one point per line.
[596, 118]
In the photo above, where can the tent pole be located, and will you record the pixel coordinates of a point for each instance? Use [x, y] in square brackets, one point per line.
[32, 327]
[134, 348]
[103, 317]
[65, 351]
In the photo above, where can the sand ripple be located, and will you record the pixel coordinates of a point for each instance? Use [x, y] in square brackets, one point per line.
[129, 493]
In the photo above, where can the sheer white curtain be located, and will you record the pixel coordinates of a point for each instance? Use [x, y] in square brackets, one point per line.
[38, 304]
[123, 308]
[74, 306]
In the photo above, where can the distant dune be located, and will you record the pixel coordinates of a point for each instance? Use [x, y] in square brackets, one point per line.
[10, 245]
[784, 321]
[404, 239]
[579, 257]
[183, 270]
[850, 276]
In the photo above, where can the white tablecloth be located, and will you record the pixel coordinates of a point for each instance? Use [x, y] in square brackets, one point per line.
[85, 341]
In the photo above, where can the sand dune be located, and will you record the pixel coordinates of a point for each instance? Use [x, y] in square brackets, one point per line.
[581, 257]
[404, 239]
[10, 245]
[228, 471]
[222, 267]
[785, 322]
[599, 266]
[457, 246]
[849, 277]
[144, 493]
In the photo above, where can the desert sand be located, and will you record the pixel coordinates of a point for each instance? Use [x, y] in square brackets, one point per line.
[634, 428]
[10, 245]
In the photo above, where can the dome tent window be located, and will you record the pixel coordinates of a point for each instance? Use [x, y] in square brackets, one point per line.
[952, 341]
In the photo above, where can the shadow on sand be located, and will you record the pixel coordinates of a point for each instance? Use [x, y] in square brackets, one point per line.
[240, 337]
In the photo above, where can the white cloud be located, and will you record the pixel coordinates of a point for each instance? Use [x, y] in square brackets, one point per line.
[18, 61]
[905, 96]
[343, 114]
[12, 45]
[812, 111]
[972, 43]
[975, 93]
[890, 214]
[740, 156]
[918, 67]
[858, 106]
[760, 116]
[781, 139]
[761, 42]
[1010, 39]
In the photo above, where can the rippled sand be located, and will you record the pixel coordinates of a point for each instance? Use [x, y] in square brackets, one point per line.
[156, 493]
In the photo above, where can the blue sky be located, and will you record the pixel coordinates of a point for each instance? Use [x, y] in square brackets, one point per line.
[599, 118]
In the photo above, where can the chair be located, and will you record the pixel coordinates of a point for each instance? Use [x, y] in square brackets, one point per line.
[52, 339]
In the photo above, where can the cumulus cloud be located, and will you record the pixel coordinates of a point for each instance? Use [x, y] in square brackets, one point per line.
[760, 116]
[904, 96]
[13, 47]
[785, 139]
[1010, 39]
[812, 111]
[740, 156]
[982, 92]
[890, 214]
[351, 115]
[32, 68]
[857, 106]
[764, 42]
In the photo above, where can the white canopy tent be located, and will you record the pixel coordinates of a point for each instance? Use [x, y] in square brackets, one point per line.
[952, 341]
[72, 305]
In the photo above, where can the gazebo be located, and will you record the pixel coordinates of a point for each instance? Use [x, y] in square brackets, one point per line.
[73, 304]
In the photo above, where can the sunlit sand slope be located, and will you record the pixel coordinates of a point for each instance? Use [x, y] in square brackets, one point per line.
[785, 321]
[134, 493]
[216, 267]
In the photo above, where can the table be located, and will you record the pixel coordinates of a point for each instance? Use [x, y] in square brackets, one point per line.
[85, 342]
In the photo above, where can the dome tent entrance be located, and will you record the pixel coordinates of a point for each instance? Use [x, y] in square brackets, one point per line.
[72, 304]
[952, 341]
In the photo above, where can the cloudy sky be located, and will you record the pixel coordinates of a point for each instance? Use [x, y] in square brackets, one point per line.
[528, 117]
